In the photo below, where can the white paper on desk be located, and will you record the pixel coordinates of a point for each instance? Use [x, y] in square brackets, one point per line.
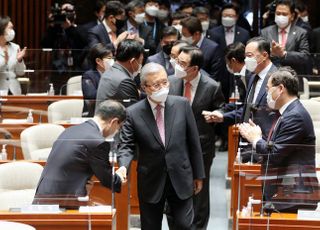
[99, 208]
[14, 121]
[41, 208]
[308, 215]
[37, 94]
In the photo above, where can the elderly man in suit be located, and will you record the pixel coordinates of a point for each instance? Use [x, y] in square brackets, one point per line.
[289, 43]
[229, 32]
[289, 150]
[168, 37]
[81, 152]
[257, 61]
[118, 82]
[170, 164]
[204, 94]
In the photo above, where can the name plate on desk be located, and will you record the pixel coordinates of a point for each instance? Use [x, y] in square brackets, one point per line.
[99, 208]
[308, 215]
[39, 208]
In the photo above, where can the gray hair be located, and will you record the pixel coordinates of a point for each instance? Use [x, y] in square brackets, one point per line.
[150, 69]
[110, 109]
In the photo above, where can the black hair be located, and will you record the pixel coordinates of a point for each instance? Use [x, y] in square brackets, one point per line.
[168, 31]
[110, 109]
[192, 23]
[99, 5]
[230, 6]
[200, 10]
[114, 8]
[300, 6]
[4, 21]
[196, 55]
[178, 15]
[288, 3]
[235, 50]
[263, 44]
[128, 49]
[99, 50]
[133, 4]
[288, 78]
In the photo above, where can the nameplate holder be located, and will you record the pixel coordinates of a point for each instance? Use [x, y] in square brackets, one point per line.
[308, 215]
[41, 208]
[92, 209]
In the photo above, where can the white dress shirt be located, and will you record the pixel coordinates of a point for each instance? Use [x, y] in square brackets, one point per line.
[229, 35]
[200, 41]
[194, 85]
[262, 75]
[154, 110]
[280, 35]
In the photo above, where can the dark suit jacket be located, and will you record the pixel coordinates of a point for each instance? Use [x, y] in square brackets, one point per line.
[297, 47]
[160, 59]
[208, 97]
[217, 34]
[145, 32]
[83, 29]
[79, 153]
[90, 82]
[116, 83]
[180, 158]
[292, 151]
[261, 113]
[98, 34]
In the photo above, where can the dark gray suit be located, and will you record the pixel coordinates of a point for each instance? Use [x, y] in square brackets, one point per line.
[79, 153]
[165, 171]
[161, 59]
[290, 153]
[116, 83]
[208, 97]
[297, 47]
[98, 34]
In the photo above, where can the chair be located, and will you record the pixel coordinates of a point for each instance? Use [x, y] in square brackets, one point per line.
[74, 86]
[36, 141]
[18, 183]
[312, 106]
[306, 91]
[15, 226]
[64, 110]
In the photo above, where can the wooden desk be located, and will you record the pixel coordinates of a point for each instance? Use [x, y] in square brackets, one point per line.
[68, 220]
[17, 107]
[233, 139]
[283, 221]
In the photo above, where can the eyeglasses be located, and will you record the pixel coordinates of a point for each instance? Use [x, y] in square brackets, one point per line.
[182, 64]
[158, 85]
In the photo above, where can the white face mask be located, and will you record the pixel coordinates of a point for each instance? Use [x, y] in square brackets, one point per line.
[305, 19]
[9, 36]
[205, 25]
[228, 21]
[189, 40]
[160, 95]
[229, 69]
[178, 27]
[139, 18]
[162, 14]
[152, 10]
[172, 62]
[179, 72]
[135, 73]
[270, 101]
[281, 21]
[107, 62]
[251, 63]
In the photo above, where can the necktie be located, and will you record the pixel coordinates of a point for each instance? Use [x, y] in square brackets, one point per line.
[160, 123]
[187, 90]
[249, 102]
[274, 122]
[283, 38]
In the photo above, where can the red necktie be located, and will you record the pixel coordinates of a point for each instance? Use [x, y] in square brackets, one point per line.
[274, 122]
[187, 90]
[160, 123]
[283, 38]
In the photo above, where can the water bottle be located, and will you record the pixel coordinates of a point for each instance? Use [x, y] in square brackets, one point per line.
[4, 154]
[51, 90]
[30, 117]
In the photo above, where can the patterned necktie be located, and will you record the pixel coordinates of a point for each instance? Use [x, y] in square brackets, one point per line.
[283, 37]
[249, 102]
[160, 123]
[187, 90]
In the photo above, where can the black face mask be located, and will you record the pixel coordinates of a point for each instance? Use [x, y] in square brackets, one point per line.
[167, 48]
[120, 23]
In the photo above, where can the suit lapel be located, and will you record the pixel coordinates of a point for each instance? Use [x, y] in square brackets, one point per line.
[222, 31]
[274, 34]
[169, 115]
[200, 92]
[148, 117]
[290, 37]
[176, 87]
[262, 91]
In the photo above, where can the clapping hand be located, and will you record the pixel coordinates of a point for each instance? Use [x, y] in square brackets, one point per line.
[21, 54]
[122, 173]
[277, 50]
[215, 116]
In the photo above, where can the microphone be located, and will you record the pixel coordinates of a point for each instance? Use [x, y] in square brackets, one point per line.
[66, 85]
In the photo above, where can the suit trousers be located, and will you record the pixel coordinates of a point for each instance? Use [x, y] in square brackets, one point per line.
[151, 214]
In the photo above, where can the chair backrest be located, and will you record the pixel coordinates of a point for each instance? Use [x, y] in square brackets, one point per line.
[306, 91]
[64, 110]
[36, 141]
[74, 85]
[18, 183]
[15, 226]
[312, 106]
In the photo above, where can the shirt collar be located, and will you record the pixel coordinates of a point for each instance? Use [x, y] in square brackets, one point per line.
[286, 29]
[285, 106]
[97, 123]
[154, 105]
[194, 81]
[130, 26]
[200, 41]
[264, 72]
[106, 26]
[243, 71]
[230, 29]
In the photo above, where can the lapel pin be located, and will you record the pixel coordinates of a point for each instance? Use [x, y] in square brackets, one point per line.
[294, 33]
